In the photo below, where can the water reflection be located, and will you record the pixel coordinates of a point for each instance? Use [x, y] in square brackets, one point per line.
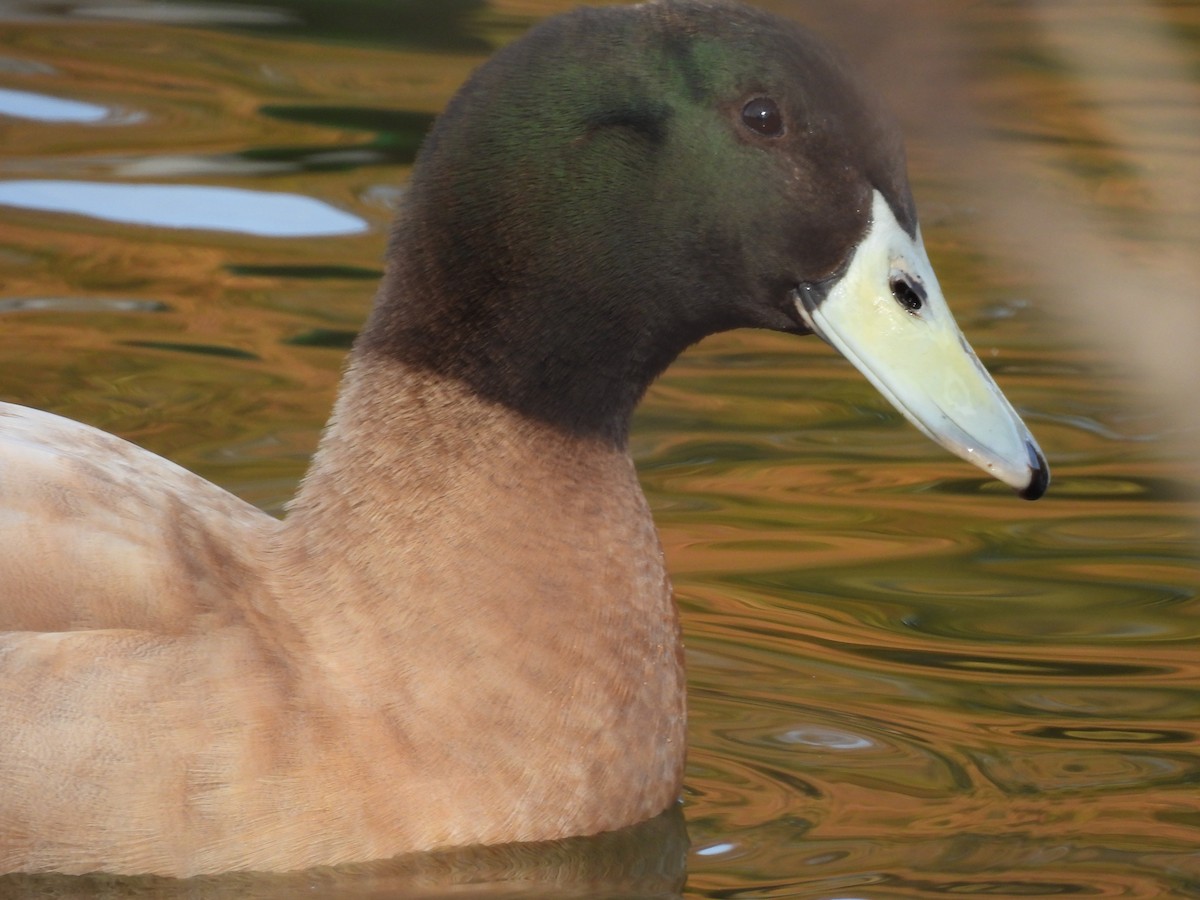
[1102, 113]
[185, 13]
[185, 206]
[44, 108]
[647, 860]
[80, 304]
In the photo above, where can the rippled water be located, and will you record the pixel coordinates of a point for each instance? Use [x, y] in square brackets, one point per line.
[904, 681]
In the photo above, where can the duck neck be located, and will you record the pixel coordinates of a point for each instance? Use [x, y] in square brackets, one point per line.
[414, 465]
[475, 572]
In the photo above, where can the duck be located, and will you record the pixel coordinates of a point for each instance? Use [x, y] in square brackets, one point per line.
[462, 631]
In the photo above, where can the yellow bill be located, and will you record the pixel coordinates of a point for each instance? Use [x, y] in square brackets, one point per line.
[887, 315]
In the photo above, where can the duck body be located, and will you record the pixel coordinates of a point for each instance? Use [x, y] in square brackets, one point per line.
[217, 704]
[462, 632]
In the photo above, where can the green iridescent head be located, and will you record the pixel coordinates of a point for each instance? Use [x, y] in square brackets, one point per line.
[623, 181]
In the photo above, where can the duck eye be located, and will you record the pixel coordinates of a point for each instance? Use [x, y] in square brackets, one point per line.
[908, 293]
[762, 116]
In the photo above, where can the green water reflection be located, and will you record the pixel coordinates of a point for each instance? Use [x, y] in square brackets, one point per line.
[904, 681]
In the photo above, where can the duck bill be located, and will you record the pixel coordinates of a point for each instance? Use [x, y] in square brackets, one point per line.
[887, 316]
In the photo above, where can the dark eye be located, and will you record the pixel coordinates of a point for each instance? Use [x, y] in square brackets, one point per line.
[762, 116]
[908, 292]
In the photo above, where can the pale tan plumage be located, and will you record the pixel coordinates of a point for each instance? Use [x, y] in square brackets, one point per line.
[227, 691]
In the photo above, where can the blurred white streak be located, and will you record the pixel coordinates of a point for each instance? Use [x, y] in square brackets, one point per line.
[1143, 298]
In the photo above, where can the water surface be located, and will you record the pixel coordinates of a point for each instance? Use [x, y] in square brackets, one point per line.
[904, 681]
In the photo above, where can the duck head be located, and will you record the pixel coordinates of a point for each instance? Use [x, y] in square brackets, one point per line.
[623, 181]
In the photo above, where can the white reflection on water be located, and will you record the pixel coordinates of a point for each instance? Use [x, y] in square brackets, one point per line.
[44, 108]
[261, 213]
[187, 13]
[827, 738]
